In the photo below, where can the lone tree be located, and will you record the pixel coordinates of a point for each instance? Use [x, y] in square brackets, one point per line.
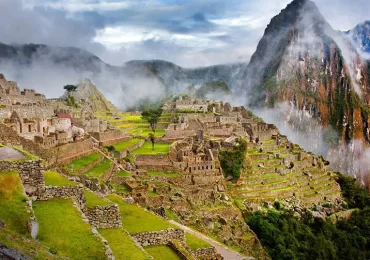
[70, 88]
[152, 139]
[152, 115]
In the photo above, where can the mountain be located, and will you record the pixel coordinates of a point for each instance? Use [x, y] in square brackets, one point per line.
[360, 36]
[87, 94]
[315, 72]
[37, 65]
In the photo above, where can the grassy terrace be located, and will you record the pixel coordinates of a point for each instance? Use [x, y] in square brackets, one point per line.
[99, 169]
[162, 252]
[93, 200]
[147, 149]
[126, 144]
[13, 203]
[144, 132]
[55, 179]
[137, 220]
[122, 245]
[84, 161]
[16, 241]
[62, 229]
[167, 174]
[123, 173]
[195, 243]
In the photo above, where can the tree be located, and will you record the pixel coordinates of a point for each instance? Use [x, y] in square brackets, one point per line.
[152, 115]
[232, 161]
[152, 139]
[70, 88]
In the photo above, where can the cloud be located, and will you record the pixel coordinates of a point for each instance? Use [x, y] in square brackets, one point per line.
[118, 31]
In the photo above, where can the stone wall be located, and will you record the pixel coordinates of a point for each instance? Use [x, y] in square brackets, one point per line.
[109, 137]
[66, 192]
[208, 253]
[8, 135]
[60, 154]
[162, 237]
[71, 151]
[104, 216]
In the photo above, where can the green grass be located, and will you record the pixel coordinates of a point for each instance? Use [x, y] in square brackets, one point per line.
[13, 203]
[120, 188]
[55, 179]
[93, 200]
[15, 241]
[162, 252]
[99, 169]
[133, 118]
[145, 132]
[126, 144]
[195, 243]
[147, 149]
[167, 174]
[123, 173]
[84, 161]
[137, 220]
[122, 245]
[62, 228]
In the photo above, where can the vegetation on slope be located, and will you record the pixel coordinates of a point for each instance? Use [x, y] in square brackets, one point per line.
[284, 236]
[64, 231]
[122, 245]
[137, 220]
[13, 203]
[232, 161]
[162, 252]
[218, 87]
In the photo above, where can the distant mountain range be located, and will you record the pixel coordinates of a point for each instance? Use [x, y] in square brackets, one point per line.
[139, 75]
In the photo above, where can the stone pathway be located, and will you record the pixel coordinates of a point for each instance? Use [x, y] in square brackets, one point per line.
[11, 153]
[226, 253]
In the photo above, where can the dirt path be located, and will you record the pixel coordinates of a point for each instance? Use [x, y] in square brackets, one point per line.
[227, 253]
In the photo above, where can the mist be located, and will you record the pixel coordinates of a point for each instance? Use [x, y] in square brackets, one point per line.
[124, 88]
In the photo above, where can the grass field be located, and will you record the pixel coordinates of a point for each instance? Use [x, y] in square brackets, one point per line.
[13, 203]
[126, 144]
[62, 229]
[137, 220]
[162, 252]
[144, 132]
[123, 173]
[147, 149]
[195, 243]
[84, 161]
[99, 169]
[93, 200]
[55, 179]
[15, 241]
[122, 245]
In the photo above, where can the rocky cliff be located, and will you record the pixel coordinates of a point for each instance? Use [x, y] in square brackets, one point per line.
[303, 61]
[316, 71]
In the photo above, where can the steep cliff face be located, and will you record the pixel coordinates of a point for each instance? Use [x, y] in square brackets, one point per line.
[303, 61]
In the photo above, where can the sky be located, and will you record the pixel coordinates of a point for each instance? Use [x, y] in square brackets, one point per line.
[190, 33]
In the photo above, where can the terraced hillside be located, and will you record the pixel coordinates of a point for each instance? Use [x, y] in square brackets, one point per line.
[280, 172]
